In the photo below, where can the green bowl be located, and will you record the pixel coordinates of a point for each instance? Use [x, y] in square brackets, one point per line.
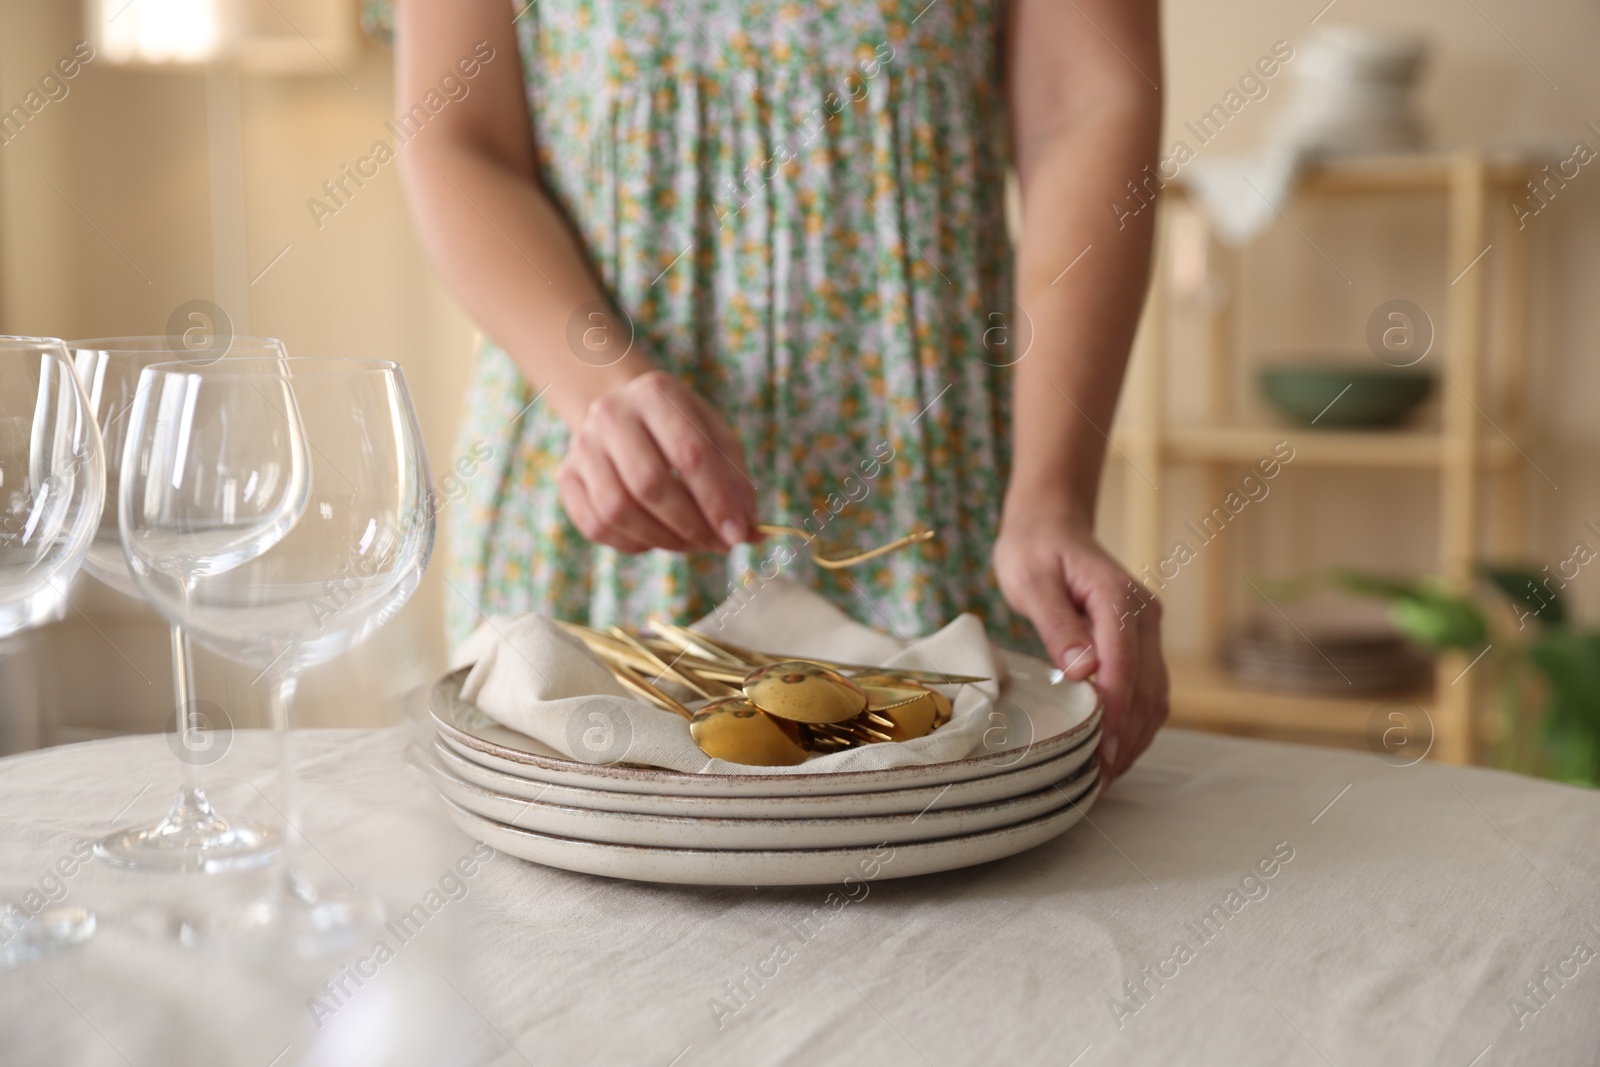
[1339, 395]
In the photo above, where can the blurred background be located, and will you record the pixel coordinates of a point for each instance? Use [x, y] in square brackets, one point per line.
[186, 161]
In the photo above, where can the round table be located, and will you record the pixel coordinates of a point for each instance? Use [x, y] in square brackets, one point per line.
[1229, 901]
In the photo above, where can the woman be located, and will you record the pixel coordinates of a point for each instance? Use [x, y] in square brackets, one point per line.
[746, 260]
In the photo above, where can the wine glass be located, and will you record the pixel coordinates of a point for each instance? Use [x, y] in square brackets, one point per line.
[278, 595]
[192, 836]
[52, 485]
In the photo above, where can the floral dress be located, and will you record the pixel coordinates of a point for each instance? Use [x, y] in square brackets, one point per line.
[798, 207]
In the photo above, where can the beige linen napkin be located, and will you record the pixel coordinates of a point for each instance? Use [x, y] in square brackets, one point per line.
[532, 676]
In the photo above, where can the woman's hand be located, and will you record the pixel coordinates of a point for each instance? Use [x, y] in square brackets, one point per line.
[1093, 619]
[651, 465]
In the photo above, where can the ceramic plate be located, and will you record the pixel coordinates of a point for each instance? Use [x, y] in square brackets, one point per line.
[1033, 721]
[827, 805]
[684, 866]
[700, 831]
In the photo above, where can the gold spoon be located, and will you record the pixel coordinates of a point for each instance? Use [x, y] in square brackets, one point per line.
[734, 729]
[804, 692]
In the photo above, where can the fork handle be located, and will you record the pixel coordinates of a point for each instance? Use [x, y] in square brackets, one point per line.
[834, 564]
[780, 531]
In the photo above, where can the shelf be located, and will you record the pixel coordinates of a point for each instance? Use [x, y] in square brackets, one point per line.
[1411, 172]
[1457, 446]
[1414, 449]
[1206, 697]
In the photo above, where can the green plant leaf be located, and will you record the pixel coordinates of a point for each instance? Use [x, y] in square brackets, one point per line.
[1421, 608]
[1525, 586]
[1439, 620]
[1570, 663]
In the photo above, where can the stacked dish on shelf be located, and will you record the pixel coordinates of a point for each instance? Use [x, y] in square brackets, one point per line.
[1035, 776]
[1327, 644]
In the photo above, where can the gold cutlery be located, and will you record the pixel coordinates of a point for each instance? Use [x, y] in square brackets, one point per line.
[830, 555]
[766, 709]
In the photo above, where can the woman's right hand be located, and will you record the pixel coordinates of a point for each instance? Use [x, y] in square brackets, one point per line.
[652, 465]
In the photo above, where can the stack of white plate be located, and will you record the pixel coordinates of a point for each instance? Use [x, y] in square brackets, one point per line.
[1036, 777]
[1309, 658]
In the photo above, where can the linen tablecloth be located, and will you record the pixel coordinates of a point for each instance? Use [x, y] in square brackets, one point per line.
[1228, 902]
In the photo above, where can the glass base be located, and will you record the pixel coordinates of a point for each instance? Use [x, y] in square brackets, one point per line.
[45, 934]
[193, 837]
[293, 919]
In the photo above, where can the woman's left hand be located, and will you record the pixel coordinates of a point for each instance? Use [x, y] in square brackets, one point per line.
[1093, 618]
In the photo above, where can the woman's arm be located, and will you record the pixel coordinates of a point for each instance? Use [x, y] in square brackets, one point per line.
[509, 255]
[1084, 80]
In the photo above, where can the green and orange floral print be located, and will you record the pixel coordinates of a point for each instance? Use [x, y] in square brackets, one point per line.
[800, 209]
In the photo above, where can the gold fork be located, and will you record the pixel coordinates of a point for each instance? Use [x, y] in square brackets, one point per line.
[830, 555]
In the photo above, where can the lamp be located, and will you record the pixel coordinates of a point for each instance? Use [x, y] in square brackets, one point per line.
[251, 36]
[227, 38]
[156, 31]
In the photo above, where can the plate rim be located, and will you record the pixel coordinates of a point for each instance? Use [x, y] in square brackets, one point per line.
[620, 797]
[1089, 770]
[1090, 797]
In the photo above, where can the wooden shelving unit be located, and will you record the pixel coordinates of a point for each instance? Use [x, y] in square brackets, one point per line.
[1389, 450]
[1467, 453]
[1211, 699]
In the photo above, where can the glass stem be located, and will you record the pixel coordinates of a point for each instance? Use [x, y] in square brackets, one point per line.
[183, 695]
[282, 708]
[192, 809]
